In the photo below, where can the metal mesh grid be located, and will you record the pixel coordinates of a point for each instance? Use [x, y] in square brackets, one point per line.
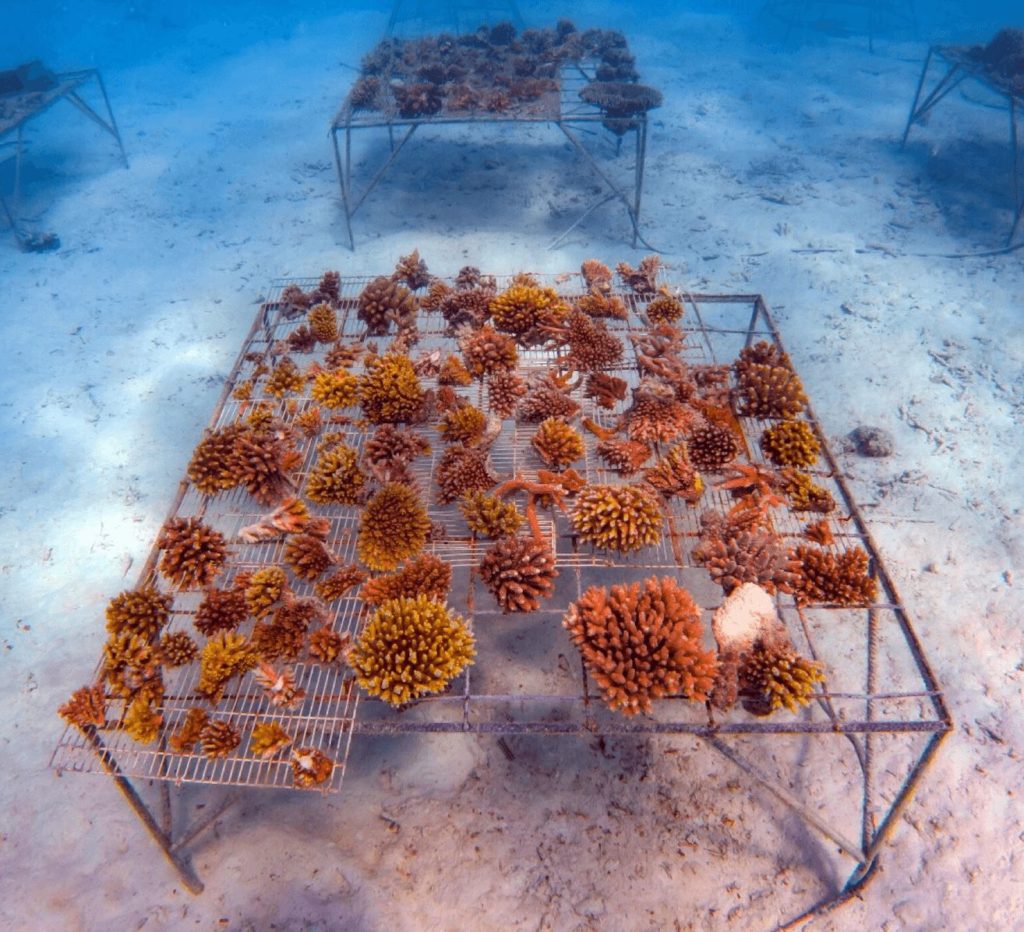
[527, 677]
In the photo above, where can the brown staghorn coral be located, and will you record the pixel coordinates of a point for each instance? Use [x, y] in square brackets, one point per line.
[142, 722]
[465, 424]
[310, 767]
[504, 392]
[836, 579]
[643, 280]
[131, 665]
[336, 478]
[591, 347]
[261, 460]
[284, 378]
[489, 516]
[597, 275]
[526, 310]
[665, 308]
[280, 687]
[454, 372]
[607, 390]
[774, 676]
[219, 738]
[674, 474]
[737, 555]
[390, 451]
[410, 648]
[486, 352]
[602, 305]
[761, 353]
[790, 443]
[143, 611]
[419, 99]
[301, 340]
[221, 610]
[323, 323]
[341, 581]
[335, 388]
[390, 390]
[383, 302]
[545, 399]
[393, 526]
[268, 739]
[624, 456]
[223, 657]
[177, 649]
[307, 557]
[656, 415]
[767, 391]
[185, 739]
[194, 552]
[557, 444]
[642, 642]
[468, 307]
[425, 575]
[624, 518]
[290, 517]
[804, 495]
[412, 270]
[463, 470]
[327, 646]
[712, 447]
[87, 706]
[211, 468]
[519, 572]
[274, 641]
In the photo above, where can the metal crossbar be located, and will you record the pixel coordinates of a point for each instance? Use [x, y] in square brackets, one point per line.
[878, 722]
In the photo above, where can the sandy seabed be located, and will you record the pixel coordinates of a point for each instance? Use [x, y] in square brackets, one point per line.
[772, 169]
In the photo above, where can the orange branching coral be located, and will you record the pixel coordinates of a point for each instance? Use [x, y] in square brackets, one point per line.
[489, 516]
[219, 738]
[211, 468]
[284, 378]
[447, 399]
[820, 533]
[390, 390]
[383, 302]
[591, 347]
[466, 307]
[260, 418]
[142, 611]
[607, 390]
[264, 589]
[310, 767]
[665, 307]
[519, 572]
[597, 275]
[712, 447]
[342, 355]
[142, 722]
[425, 575]
[644, 279]
[327, 646]
[436, 293]
[624, 456]
[674, 474]
[261, 461]
[642, 643]
[790, 443]
[453, 372]
[486, 352]
[734, 555]
[465, 424]
[184, 740]
[177, 649]
[410, 648]
[279, 686]
[557, 443]
[393, 526]
[221, 610]
[773, 676]
[268, 739]
[463, 470]
[87, 706]
[336, 479]
[546, 399]
[307, 556]
[803, 494]
[656, 415]
[767, 391]
[224, 656]
[526, 311]
[323, 323]
[194, 552]
[837, 579]
[301, 340]
[603, 305]
[131, 665]
[412, 270]
[623, 518]
[335, 388]
[290, 517]
[390, 451]
[504, 391]
[341, 581]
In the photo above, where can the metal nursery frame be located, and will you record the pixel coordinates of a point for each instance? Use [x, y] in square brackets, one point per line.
[958, 68]
[803, 14]
[460, 14]
[883, 713]
[35, 103]
[564, 109]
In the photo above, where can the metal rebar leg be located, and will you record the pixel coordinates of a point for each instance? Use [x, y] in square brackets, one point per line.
[342, 180]
[950, 80]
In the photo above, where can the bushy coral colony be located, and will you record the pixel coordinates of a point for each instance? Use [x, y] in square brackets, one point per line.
[532, 424]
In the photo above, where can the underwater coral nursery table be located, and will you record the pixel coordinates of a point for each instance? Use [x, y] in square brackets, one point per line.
[420, 441]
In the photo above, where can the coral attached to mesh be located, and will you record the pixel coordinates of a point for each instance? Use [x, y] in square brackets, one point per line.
[392, 527]
[624, 518]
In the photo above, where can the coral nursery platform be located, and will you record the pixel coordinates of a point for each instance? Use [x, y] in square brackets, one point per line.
[876, 717]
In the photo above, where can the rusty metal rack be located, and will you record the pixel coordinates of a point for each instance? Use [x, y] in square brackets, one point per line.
[563, 108]
[958, 67]
[874, 730]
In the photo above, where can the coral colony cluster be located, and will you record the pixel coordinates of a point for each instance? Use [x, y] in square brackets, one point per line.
[362, 460]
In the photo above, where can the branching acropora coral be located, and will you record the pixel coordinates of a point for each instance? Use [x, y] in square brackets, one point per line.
[264, 589]
[340, 582]
[803, 494]
[392, 527]
[142, 611]
[223, 657]
[591, 347]
[712, 447]
[284, 378]
[665, 308]
[624, 456]
[557, 443]
[603, 305]
[268, 739]
[607, 390]
[837, 579]
[774, 676]
[767, 391]
[597, 275]
[410, 648]
[87, 706]
[425, 575]
[790, 443]
[211, 468]
[131, 665]
[279, 686]
[336, 478]
[485, 352]
[219, 738]
[311, 767]
[221, 610]
[489, 516]
[546, 399]
[504, 392]
[383, 302]
[463, 470]
[184, 740]
[327, 646]
[194, 552]
[177, 649]
[465, 424]
[323, 323]
[519, 572]
[527, 311]
[261, 460]
[674, 474]
[643, 279]
[335, 388]
[290, 517]
[389, 452]
[642, 643]
[307, 556]
[737, 555]
[617, 517]
[657, 415]
[454, 372]
[412, 270]
[390, 391]
[142, 722]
